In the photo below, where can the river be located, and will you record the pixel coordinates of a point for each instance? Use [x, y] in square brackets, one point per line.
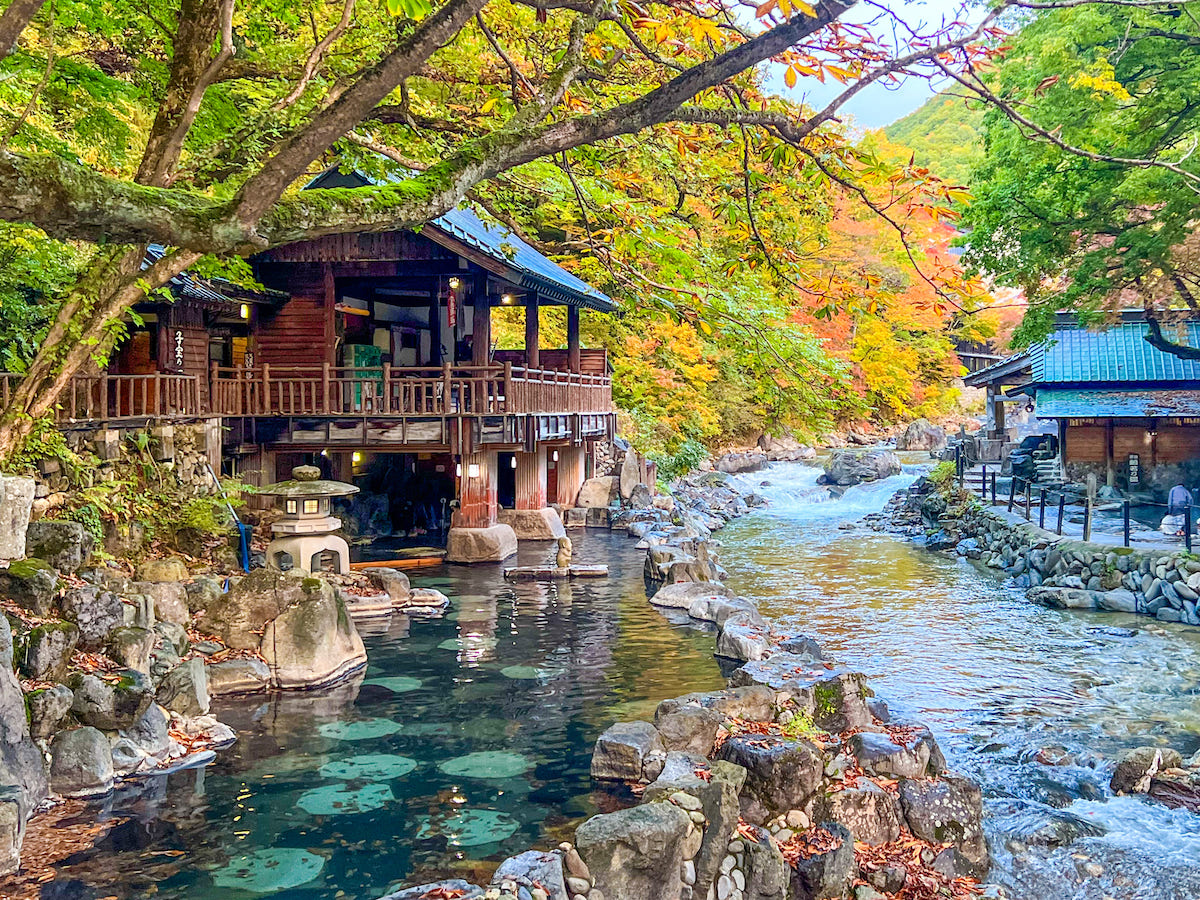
[468, 738]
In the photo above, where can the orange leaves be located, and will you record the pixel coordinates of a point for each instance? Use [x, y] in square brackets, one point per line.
[786, 7]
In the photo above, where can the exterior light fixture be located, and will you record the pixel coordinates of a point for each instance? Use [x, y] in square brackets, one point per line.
[514, 461]
[508, 299]
[473, 470]
[458, 470]
[1029, 407]
[325, 453]
[555, 456]
[245, 311]
[454, 283]
[357, 457]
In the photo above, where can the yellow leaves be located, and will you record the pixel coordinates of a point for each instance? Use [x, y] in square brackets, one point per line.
[789, 76]
[489, 105]
[703, 28]
[785, 7]
[1101, 80]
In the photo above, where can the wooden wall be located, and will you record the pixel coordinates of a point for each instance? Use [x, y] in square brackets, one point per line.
[299, 333]
[1174, 444]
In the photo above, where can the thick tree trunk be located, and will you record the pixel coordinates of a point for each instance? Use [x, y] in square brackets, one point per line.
[13, 22]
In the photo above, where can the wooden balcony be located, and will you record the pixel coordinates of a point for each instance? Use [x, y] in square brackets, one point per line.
[103, 398]
[387, 391]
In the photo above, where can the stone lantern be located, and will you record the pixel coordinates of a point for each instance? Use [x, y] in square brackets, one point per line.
[305, 532]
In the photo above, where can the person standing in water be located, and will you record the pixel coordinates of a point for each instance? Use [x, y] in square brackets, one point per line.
[1178, 500]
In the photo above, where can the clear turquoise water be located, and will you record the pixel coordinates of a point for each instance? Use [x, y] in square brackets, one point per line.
[343, 793]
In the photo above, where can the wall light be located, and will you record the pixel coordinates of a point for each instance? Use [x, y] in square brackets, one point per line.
[473, 470]
[554, 456]
[454, 283]
[508, 299]
[245, 310]
[325, 453]
[514, 461]
[356, 457]
[458, 470]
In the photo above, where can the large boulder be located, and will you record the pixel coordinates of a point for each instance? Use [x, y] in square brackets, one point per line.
[239, 616]
[766, 872]
[131, 647]
[825, 872]
[81, 763]
[870, 813]
[948, 810]
[170, 600]
[163, 571]
[628, 751]
[534, 869]
[922, 435]
[238, 676]
[63, 544]
[32, 583]
[689, 728]
[1064, 597]
[850, 467]
[533, 524]
[392, 582]
[878, 754]
[601, 491]
[47, 709]
[313, 641]
[95, 611]
[21, 764]
[48, 649]
[16, 503]
[110, 707]
[185, 689]
[733, 463]
[636, 852]
[1136, 767]
[630, 475]
[755, 703]
[475, 545]
[781, 774]
[743, 638]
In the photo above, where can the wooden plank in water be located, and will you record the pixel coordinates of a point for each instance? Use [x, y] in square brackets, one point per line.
[418, 562]
[519, 572]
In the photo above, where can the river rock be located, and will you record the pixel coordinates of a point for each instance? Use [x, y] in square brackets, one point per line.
[691, 729]
[21, 764]
[949, 810]
[48, 649]
[81, 763]
[151, 732]
[755, 703]
[850, 467]
[878, 754]
[1064, 597]
[31, 583]
[781, 774]
[202, 591]
[110, 707]
[170, 600]
[636, 852]
[16, 503]
[683, 594]
[921, 435]
[392, 582]
[870, 813]
[825, 875]
[131, 647]
[456, 887]
[531, 869]
[1136, 767]
[47, 709]
[599, 492]
[163, 571]
[766, 872]
[313, 641]
[1038, 825]
[238, 676]
[185, 689]
[736, 463]
[628, 751]
[1117, 601]
[641, 497]
[239, 616]
[64, 544]
[743, 638]
[95, 611]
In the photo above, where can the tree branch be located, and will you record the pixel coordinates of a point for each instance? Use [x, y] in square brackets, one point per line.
[13, 21]
[1155, 338]
[314, 59]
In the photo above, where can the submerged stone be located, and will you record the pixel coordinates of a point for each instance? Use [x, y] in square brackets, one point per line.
[469, 827]
[397, 684]
[269, 871]
[338, 799]
[486, 764]
[369, 766]
[361, 730]
[521, 673]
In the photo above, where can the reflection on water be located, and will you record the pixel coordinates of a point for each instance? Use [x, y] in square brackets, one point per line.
[1003, 683]
[466, 739]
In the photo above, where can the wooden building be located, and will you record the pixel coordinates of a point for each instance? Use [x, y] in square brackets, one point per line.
[1124, 410]
[378, 346]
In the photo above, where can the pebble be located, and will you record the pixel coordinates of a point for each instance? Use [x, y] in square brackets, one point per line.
[727, 865]
[578, 885]
[724, 887]
[736, 846]
[783, 835]
[739, 880]
[686, 801]
[697, 817]
[797, 819]
[1094, 869]
[689, 872]
[574, 863]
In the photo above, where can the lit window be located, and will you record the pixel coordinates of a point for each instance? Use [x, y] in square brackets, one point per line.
[310, 507]
[291, 507]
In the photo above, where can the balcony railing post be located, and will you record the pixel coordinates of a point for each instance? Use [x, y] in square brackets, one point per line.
[387, 388]
[265, 400]
[508, 387]
[447, 382]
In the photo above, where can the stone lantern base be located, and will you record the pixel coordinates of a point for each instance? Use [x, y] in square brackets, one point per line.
[476, 545]
[304, 548]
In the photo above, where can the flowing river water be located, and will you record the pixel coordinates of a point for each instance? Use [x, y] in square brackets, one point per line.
[469, 737]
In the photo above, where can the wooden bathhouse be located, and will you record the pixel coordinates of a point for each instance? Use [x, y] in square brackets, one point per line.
[1124, 410]
[372, 356]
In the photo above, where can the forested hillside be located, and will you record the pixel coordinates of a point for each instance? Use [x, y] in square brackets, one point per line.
[946, 134]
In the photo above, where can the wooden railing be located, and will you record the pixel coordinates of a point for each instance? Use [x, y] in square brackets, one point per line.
[404, 391]
[107, 397]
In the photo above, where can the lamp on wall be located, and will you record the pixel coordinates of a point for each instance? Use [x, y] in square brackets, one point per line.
[554, 456]
[1029, 407]
[458, 470]
[356, 457]
[473, 470]
[514, 460]
[508, 299]
[245, 311]
[455, 282]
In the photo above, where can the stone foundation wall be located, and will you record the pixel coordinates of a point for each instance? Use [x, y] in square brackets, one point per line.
[1057, 572]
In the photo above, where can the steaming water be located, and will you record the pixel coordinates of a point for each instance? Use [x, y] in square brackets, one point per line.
[998, 680]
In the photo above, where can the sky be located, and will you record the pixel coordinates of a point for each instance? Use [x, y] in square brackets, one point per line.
[877, 105]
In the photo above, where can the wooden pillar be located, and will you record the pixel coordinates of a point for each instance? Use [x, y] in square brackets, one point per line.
[570, 473]
[532, 358]
[1110, 463]
[995, 412]
[477, 493]
[481, 326]
[573, 338]
[330, 316]
[435, 330]
[531, 479]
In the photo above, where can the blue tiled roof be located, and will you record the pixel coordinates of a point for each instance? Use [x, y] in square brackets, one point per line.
[1132, 403]
[1119, 354]
[535, 271]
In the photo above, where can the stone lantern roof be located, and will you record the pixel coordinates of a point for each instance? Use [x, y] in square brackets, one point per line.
[306, 481]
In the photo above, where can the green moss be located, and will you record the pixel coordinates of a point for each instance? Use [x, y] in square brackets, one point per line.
[827, 698]
[27, 569]
[311, 585]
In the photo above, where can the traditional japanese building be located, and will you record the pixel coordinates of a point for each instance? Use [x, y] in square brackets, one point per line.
[372, 356]
[1125, 410]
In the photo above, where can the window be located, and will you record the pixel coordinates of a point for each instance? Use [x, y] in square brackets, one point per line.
[311, 507]
[291, 507]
